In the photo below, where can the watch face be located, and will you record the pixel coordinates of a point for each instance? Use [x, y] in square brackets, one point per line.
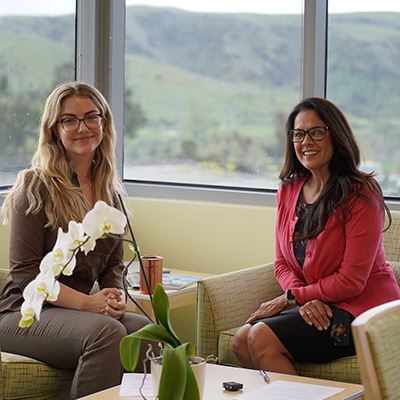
[290, 296]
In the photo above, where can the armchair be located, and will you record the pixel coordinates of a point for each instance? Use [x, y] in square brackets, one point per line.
[24, 378]
[377, 340]
[225, 301]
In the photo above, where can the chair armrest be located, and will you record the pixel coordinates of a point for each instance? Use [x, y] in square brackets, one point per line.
[391, 241]
[225, 301]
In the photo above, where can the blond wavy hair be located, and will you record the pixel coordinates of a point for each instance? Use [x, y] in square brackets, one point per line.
[50, 175]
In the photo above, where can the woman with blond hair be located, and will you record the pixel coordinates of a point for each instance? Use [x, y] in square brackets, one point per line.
[73, 167]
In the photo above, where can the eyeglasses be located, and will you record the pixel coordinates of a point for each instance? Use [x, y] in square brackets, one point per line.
[71, 124]
[317, 133]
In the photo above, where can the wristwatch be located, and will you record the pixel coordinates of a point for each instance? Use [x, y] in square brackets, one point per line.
[290, 299]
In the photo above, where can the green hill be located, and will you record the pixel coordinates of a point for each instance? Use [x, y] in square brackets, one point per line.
[213, 87]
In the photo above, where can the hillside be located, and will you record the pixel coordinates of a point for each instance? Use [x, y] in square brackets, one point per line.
[215, 87]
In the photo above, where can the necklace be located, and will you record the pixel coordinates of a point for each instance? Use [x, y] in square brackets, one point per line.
[84, 176]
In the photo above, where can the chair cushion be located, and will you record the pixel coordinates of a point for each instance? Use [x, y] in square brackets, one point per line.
[225, 353]
[26, 378]
[345, 369]
[396, 269]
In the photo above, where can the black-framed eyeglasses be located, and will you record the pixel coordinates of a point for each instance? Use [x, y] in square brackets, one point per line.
[70, 124]
[316, 133]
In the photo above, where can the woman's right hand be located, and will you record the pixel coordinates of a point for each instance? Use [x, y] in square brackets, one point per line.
[269, 309]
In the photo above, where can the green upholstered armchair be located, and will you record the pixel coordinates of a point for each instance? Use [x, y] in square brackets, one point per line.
[377, 340]
[25, 378]
[224, 302]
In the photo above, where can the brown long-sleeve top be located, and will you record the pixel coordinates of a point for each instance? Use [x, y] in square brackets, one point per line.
[30, 241]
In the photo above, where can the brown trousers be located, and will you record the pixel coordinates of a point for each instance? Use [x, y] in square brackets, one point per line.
[65, 338]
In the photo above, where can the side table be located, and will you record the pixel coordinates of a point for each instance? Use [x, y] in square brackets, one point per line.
[177, 297]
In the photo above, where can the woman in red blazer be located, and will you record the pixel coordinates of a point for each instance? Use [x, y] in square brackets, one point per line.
[330, 259]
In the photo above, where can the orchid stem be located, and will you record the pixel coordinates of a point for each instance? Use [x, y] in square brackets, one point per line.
[136, 248]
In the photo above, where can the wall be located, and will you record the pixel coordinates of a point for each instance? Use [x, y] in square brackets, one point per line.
[4, 244]
[199, 236]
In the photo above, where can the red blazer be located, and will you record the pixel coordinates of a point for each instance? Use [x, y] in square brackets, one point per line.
[344, 266]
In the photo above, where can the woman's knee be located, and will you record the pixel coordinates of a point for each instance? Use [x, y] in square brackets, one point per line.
[239, 342]
[262, 341]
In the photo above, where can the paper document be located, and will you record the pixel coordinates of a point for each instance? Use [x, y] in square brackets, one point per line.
[131, 383]
[285, 390]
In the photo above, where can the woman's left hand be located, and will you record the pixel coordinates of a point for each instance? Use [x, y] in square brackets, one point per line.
[316, 313]
[115, 305]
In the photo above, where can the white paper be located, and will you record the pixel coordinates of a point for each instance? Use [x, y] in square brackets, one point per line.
[131, 383]
[285, 390]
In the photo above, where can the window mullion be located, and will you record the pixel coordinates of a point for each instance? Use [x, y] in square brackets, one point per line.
[100, 52]
[314, 48]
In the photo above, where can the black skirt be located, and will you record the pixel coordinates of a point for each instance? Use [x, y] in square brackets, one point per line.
[305, 342]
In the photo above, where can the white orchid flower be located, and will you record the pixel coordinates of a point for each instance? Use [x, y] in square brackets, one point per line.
[103, 219]
[79, 238]
[77, 234]
[63, 248]
[43, 285]
[31, 307]
[100, 220]
[49, 263]
[89, 245]
[56, 264]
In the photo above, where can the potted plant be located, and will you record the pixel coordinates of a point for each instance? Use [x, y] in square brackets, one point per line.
[177, 380]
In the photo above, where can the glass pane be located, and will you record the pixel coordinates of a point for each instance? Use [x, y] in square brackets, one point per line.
[208, 91]
[36, 52]
[363, 80]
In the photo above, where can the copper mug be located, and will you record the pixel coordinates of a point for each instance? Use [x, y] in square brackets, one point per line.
[153, 268]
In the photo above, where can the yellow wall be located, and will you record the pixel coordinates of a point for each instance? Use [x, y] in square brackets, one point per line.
[205, 237]
[4, 244]
[199, 236]
[196, 236]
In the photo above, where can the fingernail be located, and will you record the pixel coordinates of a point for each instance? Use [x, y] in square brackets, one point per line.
[103, 311]
[105, 305]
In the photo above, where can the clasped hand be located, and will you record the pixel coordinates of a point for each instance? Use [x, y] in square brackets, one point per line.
[111, 302]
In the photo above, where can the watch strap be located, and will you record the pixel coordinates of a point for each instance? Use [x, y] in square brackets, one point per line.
[290, 299]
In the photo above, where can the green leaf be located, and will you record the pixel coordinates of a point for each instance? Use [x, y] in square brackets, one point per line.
[190, 350]
[161, 309]
[191, 389]
[155, 332]
[129, 347]
[129, 352]
[174, 374]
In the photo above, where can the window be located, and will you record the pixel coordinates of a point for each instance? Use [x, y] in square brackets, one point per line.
[363, 80]
[207, 93]
[36, 52]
